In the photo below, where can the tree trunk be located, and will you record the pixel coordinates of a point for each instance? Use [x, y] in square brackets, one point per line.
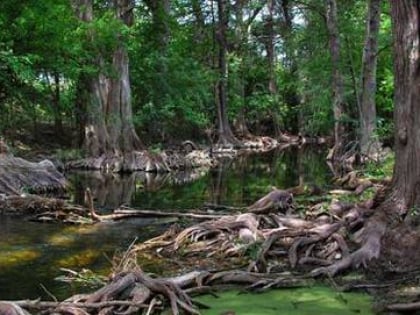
[241, 38]
[336, 79]
[58, 121]
[406, 29]
[226, 137]
[291, 94]
[272, 84]
[368, 143]
[110, 139]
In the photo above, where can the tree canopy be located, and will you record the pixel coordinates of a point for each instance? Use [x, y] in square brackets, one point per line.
[276, 68]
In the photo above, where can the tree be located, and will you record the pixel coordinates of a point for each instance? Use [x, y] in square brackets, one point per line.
[271, 59]
[225, 134]
[382, 230]
[406, 31]
[242, 27]
[336, 78]
[110, 136]
[368, 143]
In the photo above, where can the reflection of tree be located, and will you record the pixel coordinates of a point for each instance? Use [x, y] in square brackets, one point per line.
[314, 166]
[218, 187]
[111, 190]
[238, 181]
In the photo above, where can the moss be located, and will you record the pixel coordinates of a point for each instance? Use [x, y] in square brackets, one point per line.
[18, 257]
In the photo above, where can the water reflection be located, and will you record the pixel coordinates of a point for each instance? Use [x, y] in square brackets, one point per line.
[32, 253]
[236, 182]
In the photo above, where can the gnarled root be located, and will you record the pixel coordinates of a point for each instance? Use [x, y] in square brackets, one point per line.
[276, 200]
[370, 237]
[137, 289]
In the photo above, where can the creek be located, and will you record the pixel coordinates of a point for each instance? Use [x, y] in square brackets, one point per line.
[31, 254]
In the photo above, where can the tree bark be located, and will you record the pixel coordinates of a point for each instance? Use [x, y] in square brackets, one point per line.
[90, 98]
[336, 79]
[405, 185]
[368, 143]
[226, 137]
[109, 130]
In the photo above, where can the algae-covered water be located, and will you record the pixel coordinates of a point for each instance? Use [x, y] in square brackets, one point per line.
[31, 254]
[301, 301]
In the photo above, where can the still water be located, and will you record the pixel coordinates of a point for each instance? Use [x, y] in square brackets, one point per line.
[31, 254]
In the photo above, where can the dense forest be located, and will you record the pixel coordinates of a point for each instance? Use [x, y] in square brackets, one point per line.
[123, 86]
[91, 71]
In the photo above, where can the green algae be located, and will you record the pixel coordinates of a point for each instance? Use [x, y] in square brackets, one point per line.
[301, 301]
[16, 257]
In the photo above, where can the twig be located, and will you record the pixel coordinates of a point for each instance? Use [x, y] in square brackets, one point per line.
[48, 292]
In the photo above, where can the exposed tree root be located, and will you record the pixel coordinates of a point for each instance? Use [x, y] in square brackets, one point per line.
[276, 200]
[18, 175]
[264, 243]
[279, 238]
[370, 238]
[145, 161]
[134, 292]
[404, 307]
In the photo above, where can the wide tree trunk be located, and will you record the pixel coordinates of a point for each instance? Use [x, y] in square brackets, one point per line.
[225, 134]
[368, 142]
[406, 29]
[91, 96]
[336, 79]
[110, 139]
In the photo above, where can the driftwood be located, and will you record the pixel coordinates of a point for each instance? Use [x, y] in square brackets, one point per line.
[52, 210]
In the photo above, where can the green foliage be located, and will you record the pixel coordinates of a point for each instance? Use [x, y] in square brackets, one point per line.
[172, 88]
[173, 66]
[380, 169]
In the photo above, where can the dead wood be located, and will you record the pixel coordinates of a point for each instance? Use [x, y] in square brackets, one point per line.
[197, 215]
[276, 200]
[121, 214]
